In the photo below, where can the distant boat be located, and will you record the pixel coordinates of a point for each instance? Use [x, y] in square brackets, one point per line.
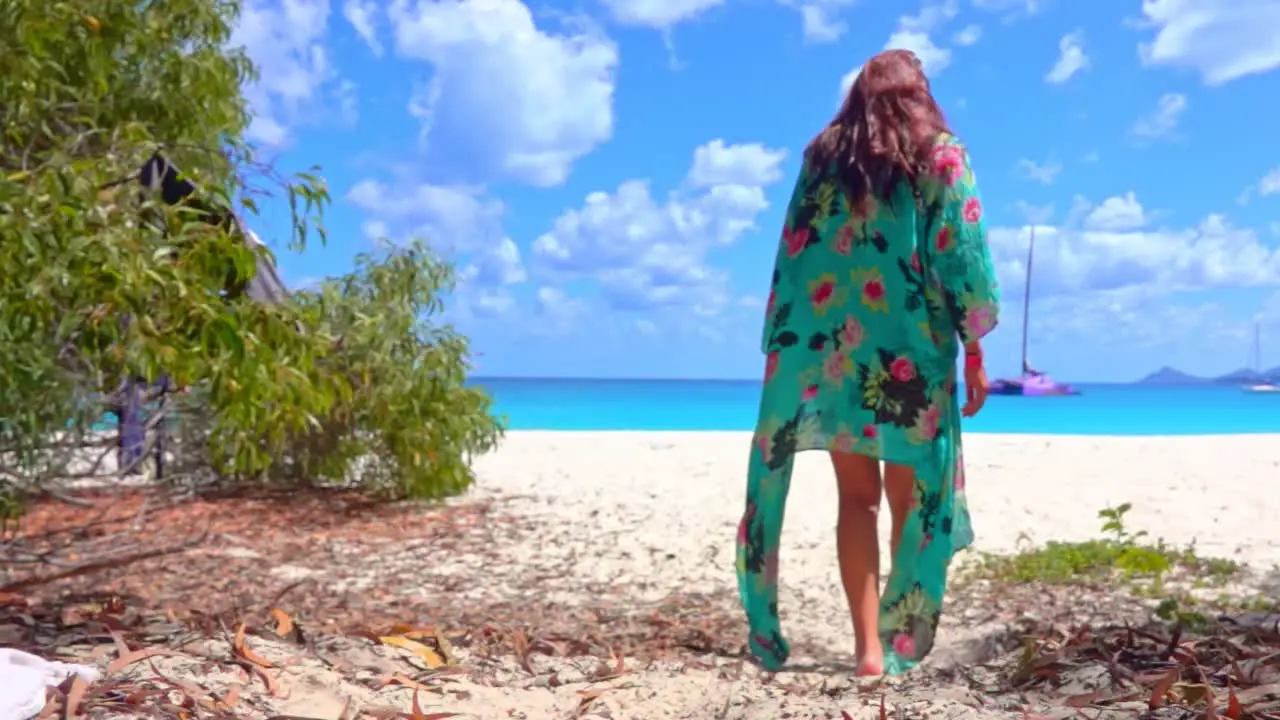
[1032, 383]
[1262, 385]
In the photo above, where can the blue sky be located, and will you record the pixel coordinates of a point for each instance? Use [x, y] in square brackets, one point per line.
[610, 175]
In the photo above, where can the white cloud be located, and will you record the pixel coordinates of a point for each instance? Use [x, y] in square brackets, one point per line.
[749, 164]
[1071, 58]
[451, 217]
[934, 59]
[1044, 173]
[820, 19]
[363, 14]
[557, 311]
[1034, 214]
[1270, 183]
[913, 33]
[1163, 122]
[646, 253]
[1073, 259]
[970, 35]
[1117, 213]
[507, 97]
[285, 40]
[658, 14]
[1014, 7]
[499, 266]
[1220, 40]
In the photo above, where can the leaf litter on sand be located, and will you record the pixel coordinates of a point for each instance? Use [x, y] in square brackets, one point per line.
[1230, 669]
[223, 633]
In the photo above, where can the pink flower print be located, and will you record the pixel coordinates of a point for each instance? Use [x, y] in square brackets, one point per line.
[809, 393]
[873, 291]
[851, 333]
[902, 370]
[924, 541]
[820, 292]
[948, 163]
[772, 303]
[870, 431]
[979, 320]
[929, 421]
[742, 531]
[904, 645]
[972, 210]
[763, 442]
[833, 367]
[771, 568]
[959, 482]
[771, 365]
[844, 240]
[915, 261]
[943, 240]
[843, 442]
[796, 240]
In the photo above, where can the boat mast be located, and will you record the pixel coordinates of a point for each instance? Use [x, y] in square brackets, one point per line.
[1026, 298]
[1257, 347]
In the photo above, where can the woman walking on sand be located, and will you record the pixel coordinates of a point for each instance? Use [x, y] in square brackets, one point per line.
[882, 275]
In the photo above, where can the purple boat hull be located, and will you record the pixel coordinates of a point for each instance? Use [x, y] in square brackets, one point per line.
[1036, 385]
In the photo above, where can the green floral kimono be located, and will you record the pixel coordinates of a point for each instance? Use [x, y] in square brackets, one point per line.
[868, 308]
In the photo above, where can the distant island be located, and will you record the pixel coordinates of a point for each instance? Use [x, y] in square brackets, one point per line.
[1243, 376]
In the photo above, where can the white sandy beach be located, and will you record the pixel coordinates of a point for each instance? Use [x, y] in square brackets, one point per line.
[649, 513]
[663, 505]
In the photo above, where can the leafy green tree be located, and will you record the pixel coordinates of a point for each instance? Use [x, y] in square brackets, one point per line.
[357, 382]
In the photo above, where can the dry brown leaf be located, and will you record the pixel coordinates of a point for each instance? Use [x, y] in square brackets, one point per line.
[284, 623]
[419, 715]
[75, 694]
[244, 652]
[428, 656]
[1234, 710]
[231, 697]
[1085, 699]
[52, 708]
[398, 679]
[270, 682]
[1162, 688]
[130, 658]
[446, 647]
[1254, 694]
[121, 645]
[520, 643]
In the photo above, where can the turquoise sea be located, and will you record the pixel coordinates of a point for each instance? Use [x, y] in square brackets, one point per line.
[573, 404]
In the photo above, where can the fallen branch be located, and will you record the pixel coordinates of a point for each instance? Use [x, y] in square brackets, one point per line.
[104, 564]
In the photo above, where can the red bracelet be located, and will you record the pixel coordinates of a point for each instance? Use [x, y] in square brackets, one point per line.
[972, 361]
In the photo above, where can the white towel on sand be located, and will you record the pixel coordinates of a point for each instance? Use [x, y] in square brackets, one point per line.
[24, 677]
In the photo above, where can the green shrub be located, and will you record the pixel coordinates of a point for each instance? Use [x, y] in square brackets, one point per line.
[356, 382]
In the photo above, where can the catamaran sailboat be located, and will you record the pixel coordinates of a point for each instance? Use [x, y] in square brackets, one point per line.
[1263, 385]
[1032, 383]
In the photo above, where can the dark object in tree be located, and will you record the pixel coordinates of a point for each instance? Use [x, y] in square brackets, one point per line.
[160, 175]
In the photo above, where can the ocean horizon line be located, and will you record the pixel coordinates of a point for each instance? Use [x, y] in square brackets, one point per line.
[579, 378]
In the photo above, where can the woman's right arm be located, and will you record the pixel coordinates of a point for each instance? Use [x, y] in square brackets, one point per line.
[959, 251]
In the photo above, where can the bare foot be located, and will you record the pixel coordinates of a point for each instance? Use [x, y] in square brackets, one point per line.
[870, 666]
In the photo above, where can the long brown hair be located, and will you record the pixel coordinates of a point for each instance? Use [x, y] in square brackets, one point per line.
[884, 131]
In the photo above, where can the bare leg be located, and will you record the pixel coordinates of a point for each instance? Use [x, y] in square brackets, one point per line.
[900, 491]
[858, 549]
